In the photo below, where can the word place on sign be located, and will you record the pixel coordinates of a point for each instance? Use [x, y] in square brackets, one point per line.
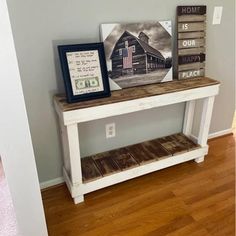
[191, 41]
[191, 74]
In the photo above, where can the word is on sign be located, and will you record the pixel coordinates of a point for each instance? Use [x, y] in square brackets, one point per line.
[191, 41]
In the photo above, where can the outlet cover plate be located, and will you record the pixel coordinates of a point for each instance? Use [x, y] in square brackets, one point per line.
[217, 15]
[110, 130]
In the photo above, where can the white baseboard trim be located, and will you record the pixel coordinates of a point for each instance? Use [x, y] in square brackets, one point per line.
[51, 183]
[215, 134]
[60, 180]
[220, 133]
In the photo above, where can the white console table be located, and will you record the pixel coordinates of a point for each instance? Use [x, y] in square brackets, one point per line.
[127, 101]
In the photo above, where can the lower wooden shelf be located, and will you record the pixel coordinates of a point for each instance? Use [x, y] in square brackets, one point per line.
[109, 168]
[134, 156]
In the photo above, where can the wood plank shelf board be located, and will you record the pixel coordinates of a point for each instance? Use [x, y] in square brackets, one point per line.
[89, 170]
[125, 161]
[111, 162]
[125, 175]
[105, 164]
[131, 100]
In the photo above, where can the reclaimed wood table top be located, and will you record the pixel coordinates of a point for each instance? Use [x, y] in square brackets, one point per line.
[137, 92]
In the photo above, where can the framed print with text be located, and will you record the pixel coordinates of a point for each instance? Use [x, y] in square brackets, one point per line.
[84, 71]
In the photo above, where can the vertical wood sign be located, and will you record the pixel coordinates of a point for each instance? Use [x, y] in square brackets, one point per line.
[191, 22]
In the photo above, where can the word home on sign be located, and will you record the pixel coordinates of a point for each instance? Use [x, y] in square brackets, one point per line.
[191, 10]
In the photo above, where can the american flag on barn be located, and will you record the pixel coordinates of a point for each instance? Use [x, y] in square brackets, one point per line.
[134, 55]
[127, 57]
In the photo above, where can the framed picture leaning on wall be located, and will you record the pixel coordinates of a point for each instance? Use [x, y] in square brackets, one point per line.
[84, 71]
[138, 53]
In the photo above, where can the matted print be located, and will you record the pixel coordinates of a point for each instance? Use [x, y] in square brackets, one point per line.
[84, 71]
[138, 53]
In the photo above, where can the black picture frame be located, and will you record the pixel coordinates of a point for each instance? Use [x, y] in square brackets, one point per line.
[86, 84]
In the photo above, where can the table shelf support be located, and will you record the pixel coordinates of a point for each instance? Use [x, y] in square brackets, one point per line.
[205, 124]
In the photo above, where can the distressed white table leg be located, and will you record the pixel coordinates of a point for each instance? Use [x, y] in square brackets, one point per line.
[75, 159]
[188, 117]
[65, 146]
[199, 159]
[205, 124]
[78, 199]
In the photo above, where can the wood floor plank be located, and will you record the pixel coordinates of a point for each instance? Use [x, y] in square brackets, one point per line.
[211, 199]
[194, 229]
[183, 200]
[209, 211]
[221, 222]
[138, 222]
[173, 225]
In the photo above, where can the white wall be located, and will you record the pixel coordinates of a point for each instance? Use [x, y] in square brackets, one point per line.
[40, 25]
[15, 142]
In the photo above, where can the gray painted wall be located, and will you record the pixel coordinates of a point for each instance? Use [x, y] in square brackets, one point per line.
[38, 26]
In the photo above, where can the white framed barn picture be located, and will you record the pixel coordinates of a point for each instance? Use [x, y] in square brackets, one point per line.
[138, 53]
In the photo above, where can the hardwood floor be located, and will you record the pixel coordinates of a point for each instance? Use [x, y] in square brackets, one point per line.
[189, 199]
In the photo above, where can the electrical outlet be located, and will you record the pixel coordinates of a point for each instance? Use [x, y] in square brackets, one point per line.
[217, 15]
[110, 130]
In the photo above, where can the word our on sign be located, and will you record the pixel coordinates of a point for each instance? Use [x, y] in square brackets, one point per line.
[191, 41]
